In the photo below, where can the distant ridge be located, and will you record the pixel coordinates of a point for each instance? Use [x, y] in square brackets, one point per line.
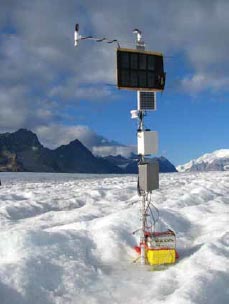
[130, 165]
[22, 151]
[215, 161]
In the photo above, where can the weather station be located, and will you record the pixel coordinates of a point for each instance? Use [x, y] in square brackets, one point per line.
[143, 71]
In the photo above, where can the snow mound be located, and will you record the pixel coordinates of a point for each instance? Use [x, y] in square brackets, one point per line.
[217, 160]
[68, 239]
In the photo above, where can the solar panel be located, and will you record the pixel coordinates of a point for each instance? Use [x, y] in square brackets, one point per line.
[137, 69]
[146, 100]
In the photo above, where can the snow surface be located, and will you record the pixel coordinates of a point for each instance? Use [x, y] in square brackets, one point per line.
[206, 158]
[68, 239]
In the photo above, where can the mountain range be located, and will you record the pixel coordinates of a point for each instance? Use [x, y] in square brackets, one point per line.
[130, 165]
[22, 151]
[215, 161]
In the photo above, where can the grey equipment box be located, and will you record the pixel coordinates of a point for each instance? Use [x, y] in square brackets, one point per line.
[148, 173]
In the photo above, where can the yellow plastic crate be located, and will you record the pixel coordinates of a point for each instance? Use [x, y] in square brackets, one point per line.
[160, 256]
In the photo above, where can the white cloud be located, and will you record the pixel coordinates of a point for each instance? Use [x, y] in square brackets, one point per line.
[198, 82]
[114, 150]
[13, 110]
[39, 63]
[71, 90]
[55, 135]
[42, 46]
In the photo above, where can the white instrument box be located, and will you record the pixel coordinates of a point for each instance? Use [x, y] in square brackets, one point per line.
[147, 142]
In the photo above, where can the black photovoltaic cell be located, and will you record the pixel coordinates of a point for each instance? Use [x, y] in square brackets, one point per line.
[134, 61]
[147, 101]
[134, 78]
[140, 70]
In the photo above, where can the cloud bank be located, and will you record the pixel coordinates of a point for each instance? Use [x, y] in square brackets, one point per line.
[42, 73]
[56, 135]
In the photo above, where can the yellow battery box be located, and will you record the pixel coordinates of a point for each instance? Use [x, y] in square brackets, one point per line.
[160, 256]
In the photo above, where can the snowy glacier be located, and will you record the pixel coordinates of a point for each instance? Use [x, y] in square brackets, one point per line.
[67, 238]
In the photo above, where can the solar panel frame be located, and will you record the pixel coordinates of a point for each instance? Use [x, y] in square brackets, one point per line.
[140, 70]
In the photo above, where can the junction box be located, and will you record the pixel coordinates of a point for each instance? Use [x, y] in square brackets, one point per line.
[148, 176]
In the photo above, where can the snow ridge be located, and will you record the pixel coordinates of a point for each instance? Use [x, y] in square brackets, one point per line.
[217, 160]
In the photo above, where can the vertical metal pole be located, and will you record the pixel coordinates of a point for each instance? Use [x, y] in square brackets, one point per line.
[141, 46]
[143, 203]
[142, 238]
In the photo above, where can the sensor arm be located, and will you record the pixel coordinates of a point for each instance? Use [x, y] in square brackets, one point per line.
[78, 37]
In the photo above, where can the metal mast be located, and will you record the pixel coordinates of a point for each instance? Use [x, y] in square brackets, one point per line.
[130, 68]
[140, 45]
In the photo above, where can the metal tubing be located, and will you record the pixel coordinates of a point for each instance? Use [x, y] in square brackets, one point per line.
[142, 240]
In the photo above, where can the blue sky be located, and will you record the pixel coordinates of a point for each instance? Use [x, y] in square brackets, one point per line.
[62, 93]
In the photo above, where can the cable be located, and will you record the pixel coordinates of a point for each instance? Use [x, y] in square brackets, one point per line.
[138, 188]
[148, 209]
[158, 213]
[104, 39]
[154, 221]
